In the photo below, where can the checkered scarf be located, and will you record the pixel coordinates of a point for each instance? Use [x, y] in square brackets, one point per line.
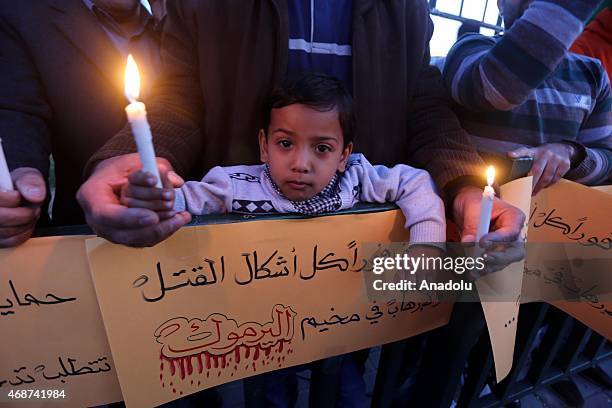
[328, 200]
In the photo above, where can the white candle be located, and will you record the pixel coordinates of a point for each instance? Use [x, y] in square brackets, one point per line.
[137, 116]
[486, 205]
[6, 184]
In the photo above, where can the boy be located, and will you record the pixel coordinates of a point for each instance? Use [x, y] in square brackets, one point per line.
[308, 168]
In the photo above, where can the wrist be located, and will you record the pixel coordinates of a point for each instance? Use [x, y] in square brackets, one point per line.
[576, 152]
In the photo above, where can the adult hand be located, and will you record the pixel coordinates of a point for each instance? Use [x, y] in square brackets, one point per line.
[20, 209]
[550, 162]
[498, 256]
[100, 194]
[506, 220]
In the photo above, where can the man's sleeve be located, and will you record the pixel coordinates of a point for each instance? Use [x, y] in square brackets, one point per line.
[485, 74]
[437, 142]
[175, 108]
[596, 138]
[24, 112]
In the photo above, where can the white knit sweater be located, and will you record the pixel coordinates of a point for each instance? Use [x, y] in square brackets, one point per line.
[246, 189]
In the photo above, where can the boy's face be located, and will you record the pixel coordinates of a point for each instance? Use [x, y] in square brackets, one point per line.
[304, 149]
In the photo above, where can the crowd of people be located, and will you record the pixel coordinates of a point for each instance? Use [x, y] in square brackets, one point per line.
[316, 90]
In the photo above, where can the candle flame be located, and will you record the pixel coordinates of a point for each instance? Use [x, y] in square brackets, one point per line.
[490, 175]
[132, 80]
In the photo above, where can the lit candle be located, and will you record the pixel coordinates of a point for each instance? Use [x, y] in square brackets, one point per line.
[486, 205]
[6, 184]
[137, 116]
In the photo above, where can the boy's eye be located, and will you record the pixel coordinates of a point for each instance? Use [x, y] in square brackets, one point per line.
[323, 148]
[285, 144]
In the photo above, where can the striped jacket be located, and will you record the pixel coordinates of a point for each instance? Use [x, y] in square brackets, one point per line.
[525, 89]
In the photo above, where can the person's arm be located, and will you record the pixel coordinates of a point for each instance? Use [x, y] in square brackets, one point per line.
[411, 189]
[174, 112]
[24, 116]
[24, 111]
[212, 195]
[595, 139]
[438, 144]
[587, 160]
[436, 140]
[484, 74]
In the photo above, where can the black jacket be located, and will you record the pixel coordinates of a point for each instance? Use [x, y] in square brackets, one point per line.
[61, 92]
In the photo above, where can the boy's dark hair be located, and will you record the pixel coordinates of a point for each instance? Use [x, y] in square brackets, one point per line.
[317, 91]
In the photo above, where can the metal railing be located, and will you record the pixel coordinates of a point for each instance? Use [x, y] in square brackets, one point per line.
[460, 17]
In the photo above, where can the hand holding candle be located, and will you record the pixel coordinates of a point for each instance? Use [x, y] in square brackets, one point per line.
[137, 116]
[486, 206]
[6, 184]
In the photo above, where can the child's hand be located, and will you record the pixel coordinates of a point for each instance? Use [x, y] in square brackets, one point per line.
[140, 192]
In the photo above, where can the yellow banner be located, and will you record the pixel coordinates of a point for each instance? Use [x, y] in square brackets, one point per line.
[53, 339]
[576, 219]
[221, 302]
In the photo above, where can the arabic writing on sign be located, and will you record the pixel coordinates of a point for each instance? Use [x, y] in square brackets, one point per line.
[257, 265]
[277, 265]
[66, 367]
[572, 232]
[569, 284]
[194, 347]
[28, 300]
[373, 316]
[200, 275]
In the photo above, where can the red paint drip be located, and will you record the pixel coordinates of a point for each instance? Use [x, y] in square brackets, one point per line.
[256, 355]
[189, 366]
[181, 362]
[172, 368]
[268, 356]
[200, 365]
